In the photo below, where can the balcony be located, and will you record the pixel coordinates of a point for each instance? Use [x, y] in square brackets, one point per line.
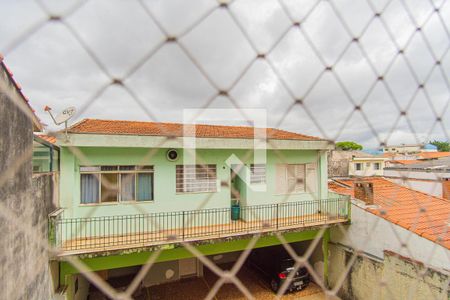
[109, 233]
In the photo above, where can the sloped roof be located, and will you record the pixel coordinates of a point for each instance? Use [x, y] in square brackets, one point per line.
[426, 215]
[48, 138]
[404, 162]
[96, 126]
[431, 155]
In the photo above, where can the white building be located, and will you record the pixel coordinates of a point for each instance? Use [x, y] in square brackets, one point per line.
[366, 166]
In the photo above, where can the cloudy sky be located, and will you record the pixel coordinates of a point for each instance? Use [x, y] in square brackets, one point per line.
[359, 97]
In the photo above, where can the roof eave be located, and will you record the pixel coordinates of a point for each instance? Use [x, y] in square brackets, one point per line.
[146, 141]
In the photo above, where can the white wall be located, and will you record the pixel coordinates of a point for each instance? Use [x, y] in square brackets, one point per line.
[429, 187]
[372, 235]
[426, 182]
[416, 174]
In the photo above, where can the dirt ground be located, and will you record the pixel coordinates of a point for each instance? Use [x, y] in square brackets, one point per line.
[197, 288]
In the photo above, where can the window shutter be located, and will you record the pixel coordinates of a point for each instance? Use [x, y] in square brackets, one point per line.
[311, 178]
[281, 183]
[299, 178]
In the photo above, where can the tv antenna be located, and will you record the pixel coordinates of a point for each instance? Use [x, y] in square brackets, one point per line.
[62, 117]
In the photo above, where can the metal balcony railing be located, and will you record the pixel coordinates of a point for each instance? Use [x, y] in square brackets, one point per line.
[131, 231]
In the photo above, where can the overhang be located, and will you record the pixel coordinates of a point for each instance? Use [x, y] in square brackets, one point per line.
[140, 141]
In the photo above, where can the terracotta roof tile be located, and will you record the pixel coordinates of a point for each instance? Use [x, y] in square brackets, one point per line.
[423, 214]
[431, 155]
[95, 126]
[48, 138]
[404, 162]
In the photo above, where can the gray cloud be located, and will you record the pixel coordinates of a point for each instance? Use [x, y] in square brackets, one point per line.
[55, 69]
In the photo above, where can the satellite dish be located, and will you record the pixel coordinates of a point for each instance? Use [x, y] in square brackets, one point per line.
[65, 115]
[62, 117]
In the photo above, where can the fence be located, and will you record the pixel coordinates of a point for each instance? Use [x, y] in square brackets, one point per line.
[118, 232]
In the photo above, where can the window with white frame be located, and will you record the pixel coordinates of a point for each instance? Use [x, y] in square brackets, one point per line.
[358, 166]
[376, 166]
[257, 173]
[196, 178]
[290, 178]
[109, 184]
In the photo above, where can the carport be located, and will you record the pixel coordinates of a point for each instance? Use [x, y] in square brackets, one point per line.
[198, 288]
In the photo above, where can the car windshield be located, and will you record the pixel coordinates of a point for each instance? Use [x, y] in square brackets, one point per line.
[286, 264]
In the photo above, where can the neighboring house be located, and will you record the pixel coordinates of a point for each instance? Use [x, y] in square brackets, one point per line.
[366, 166]
[354, 163]
[128, 188]
[25, 199]
[410, 149]
[402, 240]
[428, 176]
[403, 148]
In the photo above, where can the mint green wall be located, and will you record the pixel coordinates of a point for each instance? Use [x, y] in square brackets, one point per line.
[165, 198]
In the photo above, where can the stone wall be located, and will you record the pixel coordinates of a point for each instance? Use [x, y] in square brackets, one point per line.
[394, 277]
[338, 164]
[24, 270]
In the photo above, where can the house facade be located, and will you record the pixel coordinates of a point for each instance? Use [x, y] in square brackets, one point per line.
[131, 186]
[366, 166]
[128, 174]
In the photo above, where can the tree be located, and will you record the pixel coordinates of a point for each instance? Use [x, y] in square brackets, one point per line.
[442, 146]
[348, 145]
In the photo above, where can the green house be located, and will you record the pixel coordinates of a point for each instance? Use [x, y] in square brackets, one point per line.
[128, 188]
[127, 184]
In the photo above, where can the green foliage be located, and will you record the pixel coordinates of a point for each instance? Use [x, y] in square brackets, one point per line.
[348, 145]
[442, 146]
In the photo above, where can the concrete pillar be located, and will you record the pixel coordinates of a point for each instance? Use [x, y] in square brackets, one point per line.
[325, 241]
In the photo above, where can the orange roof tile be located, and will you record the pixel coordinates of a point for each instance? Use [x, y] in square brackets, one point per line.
[423, 214]
[404, 162]
[431, 155]
[95, 126]
[48, 138]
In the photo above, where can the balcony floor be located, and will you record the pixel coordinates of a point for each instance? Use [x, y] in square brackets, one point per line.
[190, 234]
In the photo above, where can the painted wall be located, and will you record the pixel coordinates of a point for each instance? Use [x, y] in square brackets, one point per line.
[24, 265]
[429, 187]
[427, 182]
[166, 199]
[374, 235]
[393, 277]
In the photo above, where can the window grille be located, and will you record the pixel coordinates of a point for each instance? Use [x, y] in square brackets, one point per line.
[196, 178]
[257, 173]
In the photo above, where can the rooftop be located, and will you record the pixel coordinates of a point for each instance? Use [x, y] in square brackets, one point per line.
[432, 155]
[116, 127]
[404, 162]
[423, 214]
[48, 138]
[441, 164]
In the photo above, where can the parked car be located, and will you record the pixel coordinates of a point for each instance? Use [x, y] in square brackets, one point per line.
[275, 265]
